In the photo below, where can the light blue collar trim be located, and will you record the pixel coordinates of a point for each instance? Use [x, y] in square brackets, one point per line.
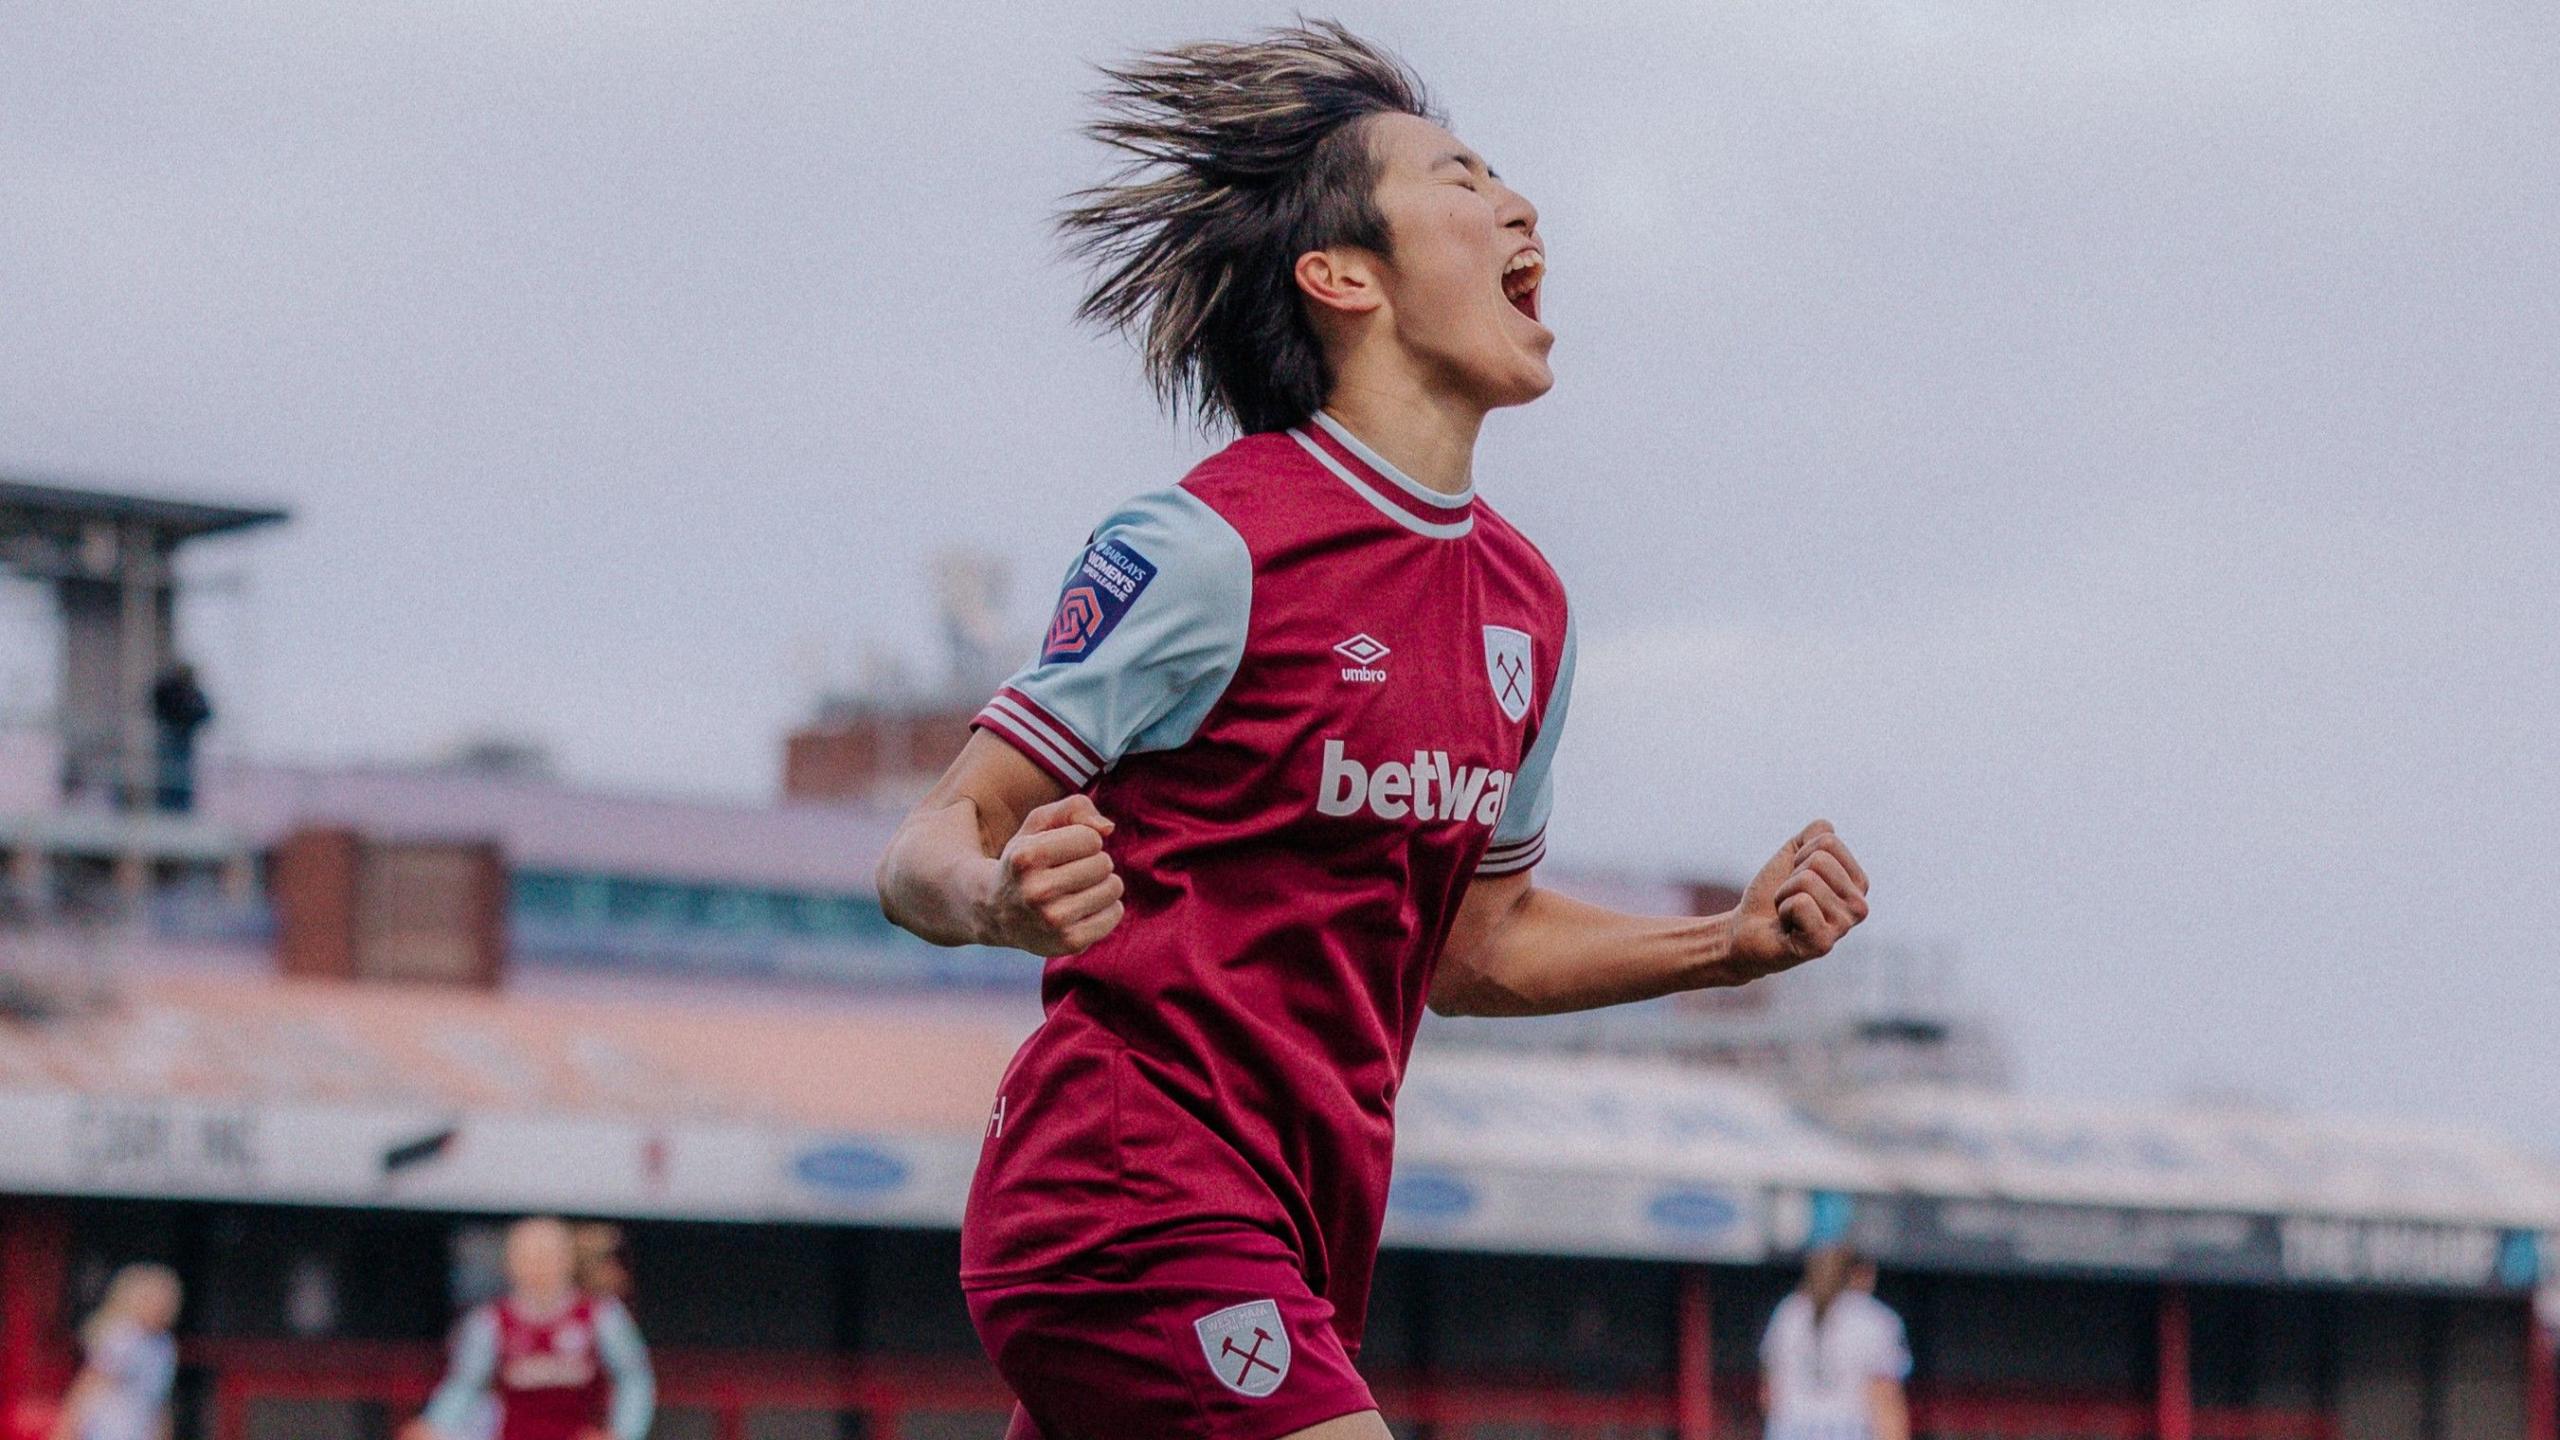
[1391, 474]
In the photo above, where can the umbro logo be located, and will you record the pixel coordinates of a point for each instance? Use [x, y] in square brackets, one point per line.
[1364, 651]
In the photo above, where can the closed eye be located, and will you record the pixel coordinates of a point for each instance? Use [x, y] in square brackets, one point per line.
[1467, 166]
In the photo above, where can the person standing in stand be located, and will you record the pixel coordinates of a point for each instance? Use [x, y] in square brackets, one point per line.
[128, 1361]
[562, 1363]
[1834, 1358]
[179, 709]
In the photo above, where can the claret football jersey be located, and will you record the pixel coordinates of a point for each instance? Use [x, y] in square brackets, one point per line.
[1317, 698]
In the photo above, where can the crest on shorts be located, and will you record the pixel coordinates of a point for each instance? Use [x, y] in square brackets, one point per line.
[1506, 664]
[1247, 1346]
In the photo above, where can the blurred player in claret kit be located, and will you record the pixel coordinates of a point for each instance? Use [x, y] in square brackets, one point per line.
[563, 1363]
[1279, 774]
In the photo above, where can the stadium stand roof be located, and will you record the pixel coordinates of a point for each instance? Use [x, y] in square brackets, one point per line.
[30, 505]
[2225, 1156]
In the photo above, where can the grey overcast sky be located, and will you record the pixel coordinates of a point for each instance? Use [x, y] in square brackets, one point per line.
[2098, 452]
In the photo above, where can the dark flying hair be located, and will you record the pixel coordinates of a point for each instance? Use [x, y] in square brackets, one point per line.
[1237, 158]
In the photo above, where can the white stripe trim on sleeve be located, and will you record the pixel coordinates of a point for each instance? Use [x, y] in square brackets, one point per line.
[1508, 859]
[1019, 727]
[1055, 732]
[1050, 725]
[1033, 748]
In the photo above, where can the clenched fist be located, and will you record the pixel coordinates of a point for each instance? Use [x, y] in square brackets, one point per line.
[1055, 893]
[1809, 895]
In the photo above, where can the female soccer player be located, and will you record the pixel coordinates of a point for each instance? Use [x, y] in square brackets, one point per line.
[564, 1363]
[1279, 773]
[128, 1360]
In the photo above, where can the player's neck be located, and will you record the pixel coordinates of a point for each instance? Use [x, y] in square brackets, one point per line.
[1429, 436]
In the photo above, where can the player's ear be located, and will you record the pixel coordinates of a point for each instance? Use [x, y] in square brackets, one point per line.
[1343, 280]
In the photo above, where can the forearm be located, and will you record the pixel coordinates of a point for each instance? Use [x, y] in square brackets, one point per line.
[1542, 953]
[1518, 950]
[635, 1406]
[1891, 1411]
[938, 872]
[75, 1404]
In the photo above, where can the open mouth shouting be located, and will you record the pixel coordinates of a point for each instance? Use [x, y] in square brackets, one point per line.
[1520, 280]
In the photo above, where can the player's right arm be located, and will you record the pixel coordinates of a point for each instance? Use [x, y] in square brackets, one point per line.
[999, 853]
[468, 1375]
[1007, 849]
[73, 1417]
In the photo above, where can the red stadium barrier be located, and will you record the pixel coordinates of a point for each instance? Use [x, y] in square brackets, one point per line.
[728, 1387]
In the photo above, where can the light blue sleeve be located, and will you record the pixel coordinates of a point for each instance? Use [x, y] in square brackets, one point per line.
[1520, 836]
[1772, 1338]
[1893, 1345]
[1149, 629]
[158, 1374]
[626, 1357]
[142, 1364]
[467, 1375]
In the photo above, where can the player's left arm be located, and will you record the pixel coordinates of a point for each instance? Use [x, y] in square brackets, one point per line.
[1517, 949]
[1888, 1410]
[1888, 1406]
[626, 1358]
[468, 1376]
